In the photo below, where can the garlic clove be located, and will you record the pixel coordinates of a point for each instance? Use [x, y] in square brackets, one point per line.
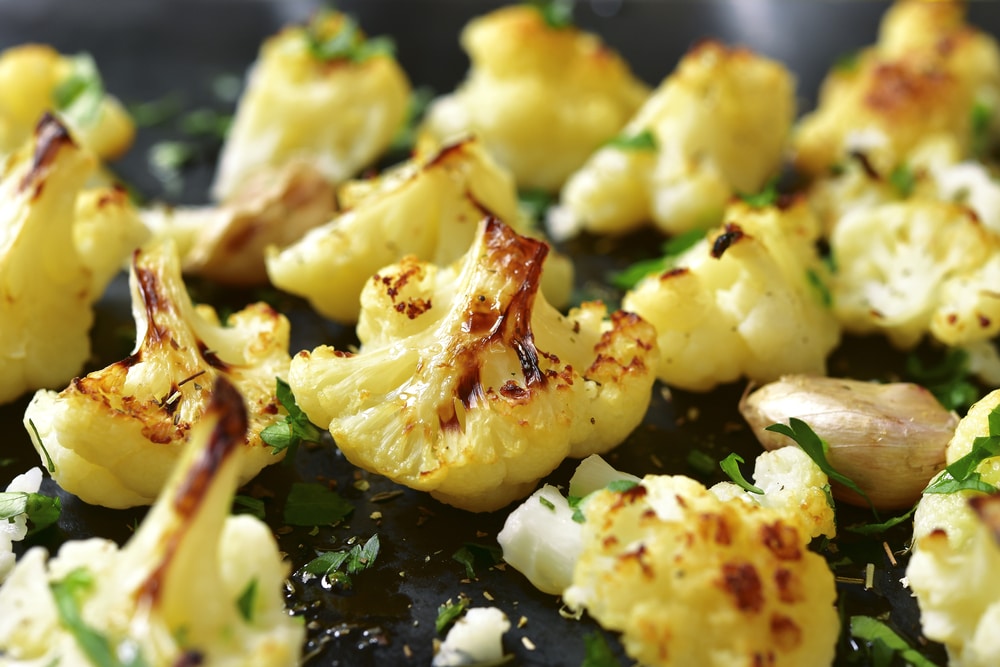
[890, 439]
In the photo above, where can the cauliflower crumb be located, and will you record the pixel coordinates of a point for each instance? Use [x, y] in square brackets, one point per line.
[474, 640]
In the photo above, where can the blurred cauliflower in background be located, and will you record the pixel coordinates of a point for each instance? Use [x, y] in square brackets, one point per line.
[428, 207]
[930, 76]
[322, 93]
[194, 585]
[689, 575]
[59, 248]
[115, 434]
[956, 543]
[226, 243]
[35, 79]
[540, 96]
[468, 384]
[750, 300]
[716, 127]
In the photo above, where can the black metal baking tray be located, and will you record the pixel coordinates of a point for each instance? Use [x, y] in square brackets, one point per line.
[148, 50]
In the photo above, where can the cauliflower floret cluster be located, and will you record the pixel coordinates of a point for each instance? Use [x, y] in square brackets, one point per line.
[913, 267]
[689, 575]
[749, 300]
[468, 384]
[956, 545]
[322, 93]
[923, 80]
[428, 207]
[716, 127]
[115, 434]
[194, 585]
[226, 243]
[541, 98]
[35, 79]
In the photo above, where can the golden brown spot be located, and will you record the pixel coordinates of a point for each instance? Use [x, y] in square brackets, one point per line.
[741, 581]
[51, 136]
[987, 508]
[782, 540]
[732, 234]
[789, 586]
[787, 635]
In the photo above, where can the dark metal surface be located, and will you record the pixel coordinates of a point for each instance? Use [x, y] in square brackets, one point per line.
[149, 49]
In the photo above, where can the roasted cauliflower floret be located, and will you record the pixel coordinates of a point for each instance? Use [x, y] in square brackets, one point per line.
[115, 434]
[749, 300]
[689, 575]
[428, 207]
[45, 287]
[913, 267]
[35, 79]
[194, 585]
[106, 231]
[541, 98]
[321, 93]
[468, 384]
[226, 243]
[922, 80]
[956, 542]
[716, 127]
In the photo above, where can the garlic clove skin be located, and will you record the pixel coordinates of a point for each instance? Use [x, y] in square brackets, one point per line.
[890, 439]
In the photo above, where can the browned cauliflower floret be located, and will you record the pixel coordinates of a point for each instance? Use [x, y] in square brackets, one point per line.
[716, 127]
[115, 434]
[427, 207]
[541, 98]
[749, 300]
[35, 79]
[226, 243]
[468, 384]
[322, 93]
[923, 79]
[194, 585]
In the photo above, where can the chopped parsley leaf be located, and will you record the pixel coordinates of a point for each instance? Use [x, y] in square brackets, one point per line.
[884, 639]
[948, 379]
[41, 511]
[472, 554]
[245, 603]
[903, 179]
[49, 464]
[406, 136]
[80, 94]
[961, 474]
[701, 462]
[294, 429]
[346, 43]
[547, 503]
[767, 196]
[249, 505]
[449, 612]
[731, 466]
[628, 278]
[557, 14]
[982, 117]
[311, 504]
[598, 652]
[357, 559]
[643, 141]
[820, 288]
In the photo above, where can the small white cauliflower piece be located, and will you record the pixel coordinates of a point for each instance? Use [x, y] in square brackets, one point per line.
[921, 80]
[749, 300]
[115, 434]
[45, 287]
[913, 267]
[956, 545]
[194, 585]
[475, 640]
[226, 243]
[468, 384]
[15, 528]
[718, 126]
[692, 576]
[321, 93]
[541, 98]
[35, 79]
[428, 208]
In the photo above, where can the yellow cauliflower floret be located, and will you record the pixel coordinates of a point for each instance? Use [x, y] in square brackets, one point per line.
[468, 384]
[45, 287]
[115, 434]
[35, 79]
[226, 243]
[541, 98]
[718, 124]
[690, 578]
[913, 267]
[427, 207]
[321, 93]
[106, 231]
[194, 585]
[956, 547]
[922, 80]
[746, 301]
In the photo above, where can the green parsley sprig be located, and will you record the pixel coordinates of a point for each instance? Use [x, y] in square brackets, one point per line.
[449, 612]
[311, 504]
[295, 429]
[557, 14]
[885, 642]
[731, 466]
[339, 566]
[642, 141]
[40, 510]
[961, 475]
[347, 43]
[628, 278]
[79, 95]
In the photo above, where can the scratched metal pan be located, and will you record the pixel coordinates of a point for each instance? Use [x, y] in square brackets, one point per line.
[152, 49]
